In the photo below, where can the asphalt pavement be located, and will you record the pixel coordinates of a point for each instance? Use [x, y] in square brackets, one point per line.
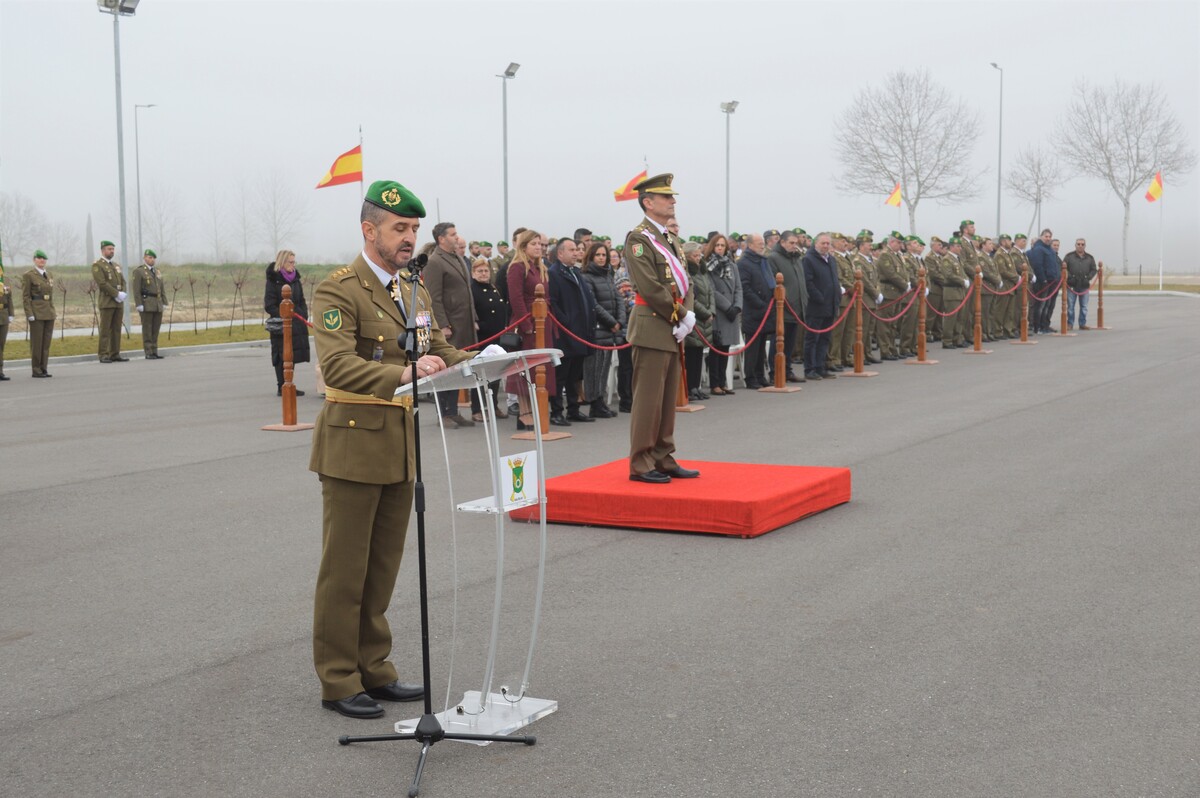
[1009, 605]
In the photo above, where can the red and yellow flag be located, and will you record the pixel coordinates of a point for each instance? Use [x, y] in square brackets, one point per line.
[346, 169]
[626, 191]
[893, 198]
[1155, 191]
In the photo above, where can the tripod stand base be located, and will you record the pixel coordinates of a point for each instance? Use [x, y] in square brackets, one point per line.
[500, 717]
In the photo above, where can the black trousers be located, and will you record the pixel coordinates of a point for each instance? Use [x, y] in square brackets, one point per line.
[567, 378]
[754, 369]
[625, 377]
[816, 346]
[693, 362]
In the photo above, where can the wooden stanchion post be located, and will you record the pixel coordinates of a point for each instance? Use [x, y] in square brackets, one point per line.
[978, 305]
[1100, 298]
[859, 344]
[781, 365]
[1062, 324]
[539, 312]
[286, 311]
[920, 300]
[1024, 309]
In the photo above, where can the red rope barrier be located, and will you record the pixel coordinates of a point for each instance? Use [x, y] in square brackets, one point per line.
[298, 316]
[897, 316]
[497, 335]
[1052, 292]
[830, 327]
[1086, 290]
[562, 327]
[742, 348]
[1003, 293]
[891, 302]
[956, 310]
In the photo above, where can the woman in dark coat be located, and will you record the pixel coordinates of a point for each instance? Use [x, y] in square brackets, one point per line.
[282, 271]
[609, 330]
[491, 311]
[525, 274]
[727, 295]
[693, 345]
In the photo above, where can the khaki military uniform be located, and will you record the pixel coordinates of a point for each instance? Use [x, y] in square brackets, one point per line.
[1003, 318]
[656, 364]
[908, 324]
[970, 260]
[954, 289]
[6, 313]
[151, 296]
[933, 263]
[362, 451]
[991, 279]
[870, 281]
[841, 341]
[109, 282]
[1021, 264]
[37, 295]
[893, 283]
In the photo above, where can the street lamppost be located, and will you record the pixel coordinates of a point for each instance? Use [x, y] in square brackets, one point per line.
[118, 9]
[727, 109]
[508, 75]
[137, 160]
[999, 146]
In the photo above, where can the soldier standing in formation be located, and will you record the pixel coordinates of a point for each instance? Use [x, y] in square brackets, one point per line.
[954, 289]
[6, 318]
[37, 294]
[110, 283]
[151, 295]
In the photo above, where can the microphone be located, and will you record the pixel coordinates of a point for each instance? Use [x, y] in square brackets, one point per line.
[417, 263]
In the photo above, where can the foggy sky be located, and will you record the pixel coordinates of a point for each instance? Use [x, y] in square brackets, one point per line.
[247, 91]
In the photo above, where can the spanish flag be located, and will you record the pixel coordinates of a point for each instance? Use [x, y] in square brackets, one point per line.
[1155, 191]
[626, 191]
[893, 198]
[346, 169]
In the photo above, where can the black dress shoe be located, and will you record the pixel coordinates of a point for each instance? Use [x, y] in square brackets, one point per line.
[625, 408]
[397, 691]
[575, 415]
[522, 426]
[702, 395]
[680, 473]
[754, 386]
[299, 392]
[794, 378]
[872, 360]
[828, 375]
[40, 376]
[106, 360]
[890, 357]
[693, 395]
[356, 706]
[4, 379]
[559, 421]
[119, 359]
[812, 375]
[653, 477]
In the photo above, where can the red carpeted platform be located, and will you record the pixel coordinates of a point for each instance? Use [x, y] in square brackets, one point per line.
[740, 499]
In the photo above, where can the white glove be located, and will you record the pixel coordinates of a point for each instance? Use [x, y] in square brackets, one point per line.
[139, 308]
[966, 283]
[689, 321]
[31, 318]
[494, 349]
[843, 288]
[1034, 279]
[879, 299]
[1000, 286]
[909, 287]
[10, 319]
[926, 292]
[680, 332]
[121, 296]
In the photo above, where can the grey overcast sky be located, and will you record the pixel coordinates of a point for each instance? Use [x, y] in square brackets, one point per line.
[250, 90]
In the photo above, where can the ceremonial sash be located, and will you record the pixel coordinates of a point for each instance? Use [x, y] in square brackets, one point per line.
[677, 268]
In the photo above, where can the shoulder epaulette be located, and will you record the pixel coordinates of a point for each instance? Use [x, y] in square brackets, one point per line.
[342, 273]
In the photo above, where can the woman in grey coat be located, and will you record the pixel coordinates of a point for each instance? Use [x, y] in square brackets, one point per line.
[609, 331]
[727, 294]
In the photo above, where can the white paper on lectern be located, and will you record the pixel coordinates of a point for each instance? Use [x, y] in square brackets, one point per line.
[483, 367]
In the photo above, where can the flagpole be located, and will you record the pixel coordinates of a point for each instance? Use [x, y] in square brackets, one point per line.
[361, 172]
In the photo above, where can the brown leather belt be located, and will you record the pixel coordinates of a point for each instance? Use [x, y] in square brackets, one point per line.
[338, 396]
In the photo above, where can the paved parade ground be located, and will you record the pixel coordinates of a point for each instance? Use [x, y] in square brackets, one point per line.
[1008, 606]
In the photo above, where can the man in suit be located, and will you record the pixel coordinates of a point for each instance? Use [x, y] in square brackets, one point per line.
[37, 294]
[662, 318]
[824, 298]
[362, 450]
[110, 284]
[572, 303]
[448, 281]
[758, 289]
[151, 296]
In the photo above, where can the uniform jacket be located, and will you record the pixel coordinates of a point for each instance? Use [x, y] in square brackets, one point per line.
[727, 295]
[869, 279]
[148, 289]
[933, 273]
[953, 274]
[893, 277]
[109, 282]
[794, 290]
[352, 315]
[575, 308]
[610, 307]
[37, 294]
[757, 290]
[1080, 270]
[650, 324]
[991, 272]
[845, 275]
[824, 294]
[6, 300]
[1007, 267]
[449, 284]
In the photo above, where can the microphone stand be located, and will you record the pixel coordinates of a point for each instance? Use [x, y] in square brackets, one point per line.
[429, 729]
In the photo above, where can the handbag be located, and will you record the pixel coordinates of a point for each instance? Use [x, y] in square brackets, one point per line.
[510, 341]
[273, 325]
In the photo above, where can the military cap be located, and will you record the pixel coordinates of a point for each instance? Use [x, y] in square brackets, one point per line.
[1004, 237]
[977, 237]
[395, 198]
[936, 240]
[1021, 237]
[915, 238]
[39, 254]
[896, 234]
[150, 254]
[858, 242]
[485, 243]
[502, 243]
[104, 244]
[836, 237]
[955, 240]
[800, 231]
[619, 247]
[659, 184]
[771, 232]
[965, 222]
[867, 234]
[736, 236]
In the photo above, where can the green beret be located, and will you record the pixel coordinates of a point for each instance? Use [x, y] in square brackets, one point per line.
[150, 253]
[976, 237]
[865, 233]
[39, 254]
[919, 240]
[1005, 237]
[936, 240]
[735, 235]
[485, 243]
[799, 231]
[104, 244]
[619, 247]
[955, 240]
[502, 243]
[395, 198]
[771, 232]
[965, 222]
[896, 234]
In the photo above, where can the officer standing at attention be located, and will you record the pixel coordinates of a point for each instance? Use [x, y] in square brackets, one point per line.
[151, 296]
[37, 294]
[110, 282]
[662, 317]
[6, 317]
[362, 450]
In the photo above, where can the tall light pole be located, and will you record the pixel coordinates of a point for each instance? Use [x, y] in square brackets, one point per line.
[999, 147]
[137, 160]
[727, 109]
[508, 75]
[118, 9]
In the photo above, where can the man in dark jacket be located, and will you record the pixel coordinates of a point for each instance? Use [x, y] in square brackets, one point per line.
[572, 303]
[1046, 271]
[784, 258]
[758, 287]
[448, 281]
[824, 298]
[1081, 268]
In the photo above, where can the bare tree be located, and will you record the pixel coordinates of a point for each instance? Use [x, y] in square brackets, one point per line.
[1033, 179]
[215, 221]
[63, 244]
[21, 226]
[1121, 135]
[910, 131]
[163, 222]
[281, 210]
